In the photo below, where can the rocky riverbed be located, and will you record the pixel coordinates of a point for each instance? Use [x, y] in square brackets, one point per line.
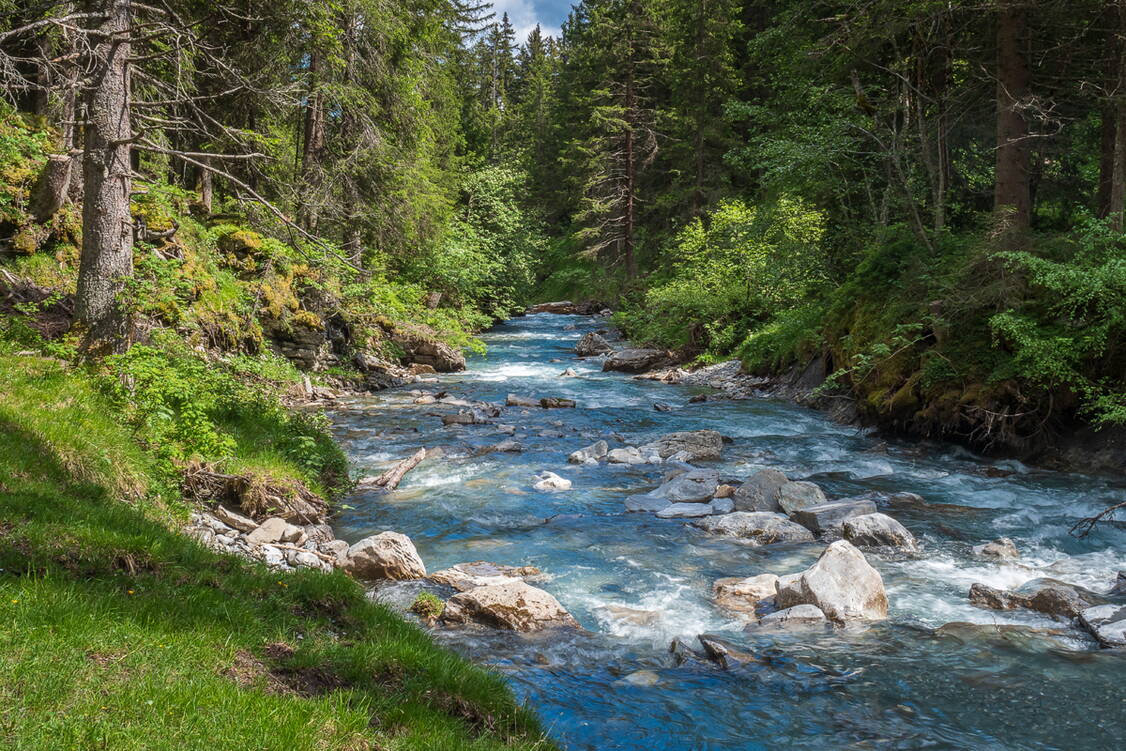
[674, 562]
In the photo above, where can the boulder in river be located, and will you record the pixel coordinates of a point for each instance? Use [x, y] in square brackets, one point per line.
[387, 555]
[878, 531]
[593, 344]
[627, 455]
[596, 451]
[830, 517]
[842, 584]
[743, 595]
[514, 605]
[1107, 623]
[984, 596]
[722, 505]
[1002, 548]
[549, 481]
[794, 496]
[759, 527]
[685, 510]
[555, 402]
[466, 576]
[1058, 599]
[693, 486]
[633, 360]
[798, 616]
[699, 445]
[569, 373]
[515, 400]
[760, 491]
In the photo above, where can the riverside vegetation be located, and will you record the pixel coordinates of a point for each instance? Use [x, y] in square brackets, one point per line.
[214, 216]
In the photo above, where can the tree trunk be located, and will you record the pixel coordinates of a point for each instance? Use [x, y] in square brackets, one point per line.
[206, 186]
[1117, 201]
[630, 177]
[314, 139]
[51, 188]
[1107, 139]
[1012, 196]
[107, 230]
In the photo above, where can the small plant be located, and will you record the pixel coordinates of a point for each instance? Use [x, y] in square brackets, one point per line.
[428, 605]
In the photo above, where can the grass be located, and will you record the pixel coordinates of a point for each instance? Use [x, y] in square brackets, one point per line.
[117, 632]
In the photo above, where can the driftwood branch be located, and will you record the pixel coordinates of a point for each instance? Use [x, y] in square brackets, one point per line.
[1084, 527]
[390, 479]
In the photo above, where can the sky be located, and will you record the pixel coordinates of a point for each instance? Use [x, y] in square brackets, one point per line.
[525, 14]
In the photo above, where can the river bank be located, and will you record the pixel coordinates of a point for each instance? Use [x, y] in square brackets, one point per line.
[634, 581]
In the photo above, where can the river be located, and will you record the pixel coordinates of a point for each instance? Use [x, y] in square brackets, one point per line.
[1007, 680]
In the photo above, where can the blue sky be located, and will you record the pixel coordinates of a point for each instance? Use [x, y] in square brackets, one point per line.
[525, 14]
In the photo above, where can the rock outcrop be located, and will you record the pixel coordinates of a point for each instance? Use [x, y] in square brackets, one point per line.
[633, 360]
[592, 345]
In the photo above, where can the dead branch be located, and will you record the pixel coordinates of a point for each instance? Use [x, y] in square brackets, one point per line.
[390, 479]
[1084, 527]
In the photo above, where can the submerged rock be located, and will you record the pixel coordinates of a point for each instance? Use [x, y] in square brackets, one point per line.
[515, 400]
[830, 517]
[761, 527]
[699, 445]
[878, 530]
[633, 360]
[387, 555]
[760, 491]
[514, 605]
[794, 496]
[593, 344]
[1002, 548]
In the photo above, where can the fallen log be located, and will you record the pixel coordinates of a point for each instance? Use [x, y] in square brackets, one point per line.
[390, 479]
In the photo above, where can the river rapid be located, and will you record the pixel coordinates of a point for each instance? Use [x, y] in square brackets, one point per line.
[938, 674]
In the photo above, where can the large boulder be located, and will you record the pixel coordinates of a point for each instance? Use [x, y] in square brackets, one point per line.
[595, 451]
[844, 585]
[759, 527]
[627, 455]
[984, 596]
[686, 511]
[387, 555]
[513, 605]
[699, 445]
[438, 355]
[830, 517]
[743, 595]
[878, 530]
[593, 344]
[794, 496]
[633, 360]
[694, 486]
[760, 491]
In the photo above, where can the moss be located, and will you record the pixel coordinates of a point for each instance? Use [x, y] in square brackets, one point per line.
[308, 319]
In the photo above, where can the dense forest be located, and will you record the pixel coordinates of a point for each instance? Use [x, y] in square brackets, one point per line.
[210, 211]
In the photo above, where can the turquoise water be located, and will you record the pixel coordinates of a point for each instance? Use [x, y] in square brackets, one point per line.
[993, 680]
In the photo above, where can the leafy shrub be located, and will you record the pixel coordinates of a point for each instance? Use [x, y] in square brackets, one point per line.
[736, 267]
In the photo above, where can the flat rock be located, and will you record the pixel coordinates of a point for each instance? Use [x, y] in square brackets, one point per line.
[799, 616]
[794, 496]
[515, 400]
[699, 445]
[722, 505]
[274, 529]
[878, 530]
[685, 510]
[514, 605]
[627, 455]
[759, 527]
[235, 520]
[1107, 623]
[693, 486]
[830, 517]
[647, 502]
[759, 492]
[633, 360]
[387, 555]
[596, 451]
[466, 576]
[555, 402]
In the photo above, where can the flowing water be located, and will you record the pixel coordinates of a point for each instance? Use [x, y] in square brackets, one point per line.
[990, 680]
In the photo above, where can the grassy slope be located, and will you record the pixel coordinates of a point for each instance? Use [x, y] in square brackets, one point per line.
[117, 632]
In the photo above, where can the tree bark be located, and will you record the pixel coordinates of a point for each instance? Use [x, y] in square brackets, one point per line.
[107, 230]
[1012, 196]
[51, 188]
[314, 140]
[1117, 201]
[206, 186]
[631, 175]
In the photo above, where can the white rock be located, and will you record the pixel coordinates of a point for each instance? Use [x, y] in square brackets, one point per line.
[515, 605]
[595, 451]
[551, 482]
[274, 529]
[236, 520]
[844, 585]
[627, 455]
[387, 555]
[273, 557]
[1002, 548]
[878, 530]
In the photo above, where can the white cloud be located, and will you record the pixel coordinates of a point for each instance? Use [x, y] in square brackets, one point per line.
[523, 17]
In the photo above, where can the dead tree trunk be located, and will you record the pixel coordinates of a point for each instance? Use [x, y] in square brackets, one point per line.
[1012, 196]
[107, 230]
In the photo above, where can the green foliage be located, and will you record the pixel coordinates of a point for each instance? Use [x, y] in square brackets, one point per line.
[428, 605]
[1069, 332]
[790, 337]
[736, 267]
